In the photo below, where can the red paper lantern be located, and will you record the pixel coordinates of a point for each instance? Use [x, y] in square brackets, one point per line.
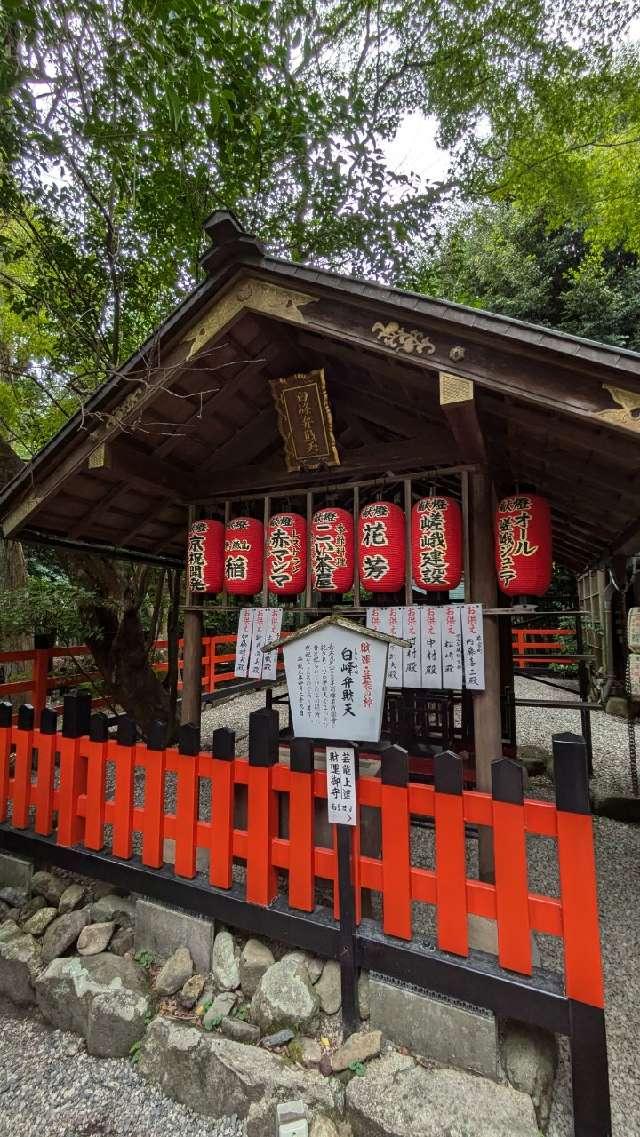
[205, 556]
[436, 543]
[524, 559]
[381, 547]
[243, 556]
[287, 554]
[332, 550]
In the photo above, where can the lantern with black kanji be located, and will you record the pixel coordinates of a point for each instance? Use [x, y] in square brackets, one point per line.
[381, 547]
[205, 556]
[287, 554]
[243, 556]
[523, 545]
[436, 543]
[332, 550]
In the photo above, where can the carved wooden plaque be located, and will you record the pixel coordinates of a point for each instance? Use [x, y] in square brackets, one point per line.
[305, 421]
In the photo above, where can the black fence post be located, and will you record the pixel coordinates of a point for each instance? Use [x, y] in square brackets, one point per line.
[6, 714]
[98, 727]
[26, 717]
[189, 740]
[347, 937]
[223, 744]
[157, 737]
[126, 731]
[48, 721]
[570, 773]
[76, 714]
[263, 738]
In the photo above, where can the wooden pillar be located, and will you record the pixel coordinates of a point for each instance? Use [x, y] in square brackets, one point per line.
[486, 704]
[192, 651]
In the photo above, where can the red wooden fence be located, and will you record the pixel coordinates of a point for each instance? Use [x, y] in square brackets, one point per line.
[541, 646]
[57, 783]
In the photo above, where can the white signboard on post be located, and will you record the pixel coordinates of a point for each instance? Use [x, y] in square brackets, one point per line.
[274, 627]
[260, 629]
[341, 785]
[395, 623]
[472, 646]
[431, 647]
[243, 642]
[451, 647]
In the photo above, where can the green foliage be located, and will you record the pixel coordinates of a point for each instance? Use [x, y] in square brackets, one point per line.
[134, 1052]
[213, 1023]
[508, 261]
[357, 1068]
[145, 958]
[44, 605]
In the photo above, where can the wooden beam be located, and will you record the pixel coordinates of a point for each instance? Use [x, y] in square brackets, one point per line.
[459, 408]
[137, 467]
[422, 452]
[486, 704]
[368, 406]
[246, 443]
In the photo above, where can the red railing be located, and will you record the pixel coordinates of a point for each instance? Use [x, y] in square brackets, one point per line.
[76, 809]
[529, 643]
[218, 656]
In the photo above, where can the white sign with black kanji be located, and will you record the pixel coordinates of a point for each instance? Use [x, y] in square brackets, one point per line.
[341, 785]
[472, 646]
[243, 642]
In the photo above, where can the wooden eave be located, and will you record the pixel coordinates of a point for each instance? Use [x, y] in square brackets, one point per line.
[177, 425]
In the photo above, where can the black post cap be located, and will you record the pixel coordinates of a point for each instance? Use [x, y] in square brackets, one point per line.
[26, 717]
[189, 740]
[99, 727]
[263, 738]
[6, 714]
[76, 714]
[395, 766]
[48, 721]
[570, 773]
[302, 758]
[223, 744]
[448, 773]
[157, 736]
[507, 781]
[127, 732]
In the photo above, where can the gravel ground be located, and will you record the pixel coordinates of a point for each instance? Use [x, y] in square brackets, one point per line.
[49, 1084]
[41, 1089]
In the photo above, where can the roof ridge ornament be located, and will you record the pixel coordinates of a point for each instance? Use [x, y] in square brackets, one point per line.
[229, 241]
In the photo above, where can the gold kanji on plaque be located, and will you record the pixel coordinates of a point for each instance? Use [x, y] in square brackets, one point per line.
[305, 421]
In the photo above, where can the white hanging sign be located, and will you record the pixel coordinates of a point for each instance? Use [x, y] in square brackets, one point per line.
[633, 629]
[243, 642]
[260, 629]
[336, 684]
[274, 627]
[395, 621]
[411, 676]
[634, 676]
[472, 646]
[431, 646]
[451, 647]
[341, 785]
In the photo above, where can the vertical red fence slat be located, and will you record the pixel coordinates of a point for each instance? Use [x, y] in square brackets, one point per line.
[576, 864]
[6, 716]
[75, 726]
[262, 818]
[510, 855]
[47, 743]
[187, 800]
[22, 767]
[222, 802]
[96, 750]
[123, 755]
[451, 889]
[396, 846]
[301, 826]
[155, 765]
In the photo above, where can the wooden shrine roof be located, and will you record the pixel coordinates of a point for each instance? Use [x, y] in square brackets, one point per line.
[190, 416]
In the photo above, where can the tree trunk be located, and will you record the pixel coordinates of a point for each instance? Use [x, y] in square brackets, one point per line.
[13, 572]
[120, 652]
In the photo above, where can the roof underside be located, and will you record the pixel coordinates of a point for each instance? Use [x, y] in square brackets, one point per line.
[213, 426]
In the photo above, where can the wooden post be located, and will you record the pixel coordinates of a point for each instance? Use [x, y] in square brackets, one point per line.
[192, 651]
[486, 704]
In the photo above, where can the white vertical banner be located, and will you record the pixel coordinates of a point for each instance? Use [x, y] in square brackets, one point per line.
[274, 627]
[243, 642]
[431, 646]
[341, 785]
[473, 646]
[395, 623]
[260, 628]
[411, 675]
[451, 647]
[377, 619]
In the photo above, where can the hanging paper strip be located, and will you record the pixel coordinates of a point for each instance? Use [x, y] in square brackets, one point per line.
[274, 627]
[451, 647]
[472, 646]
[260, 629]
[243, 642]
[411, 675]
[431, 646]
